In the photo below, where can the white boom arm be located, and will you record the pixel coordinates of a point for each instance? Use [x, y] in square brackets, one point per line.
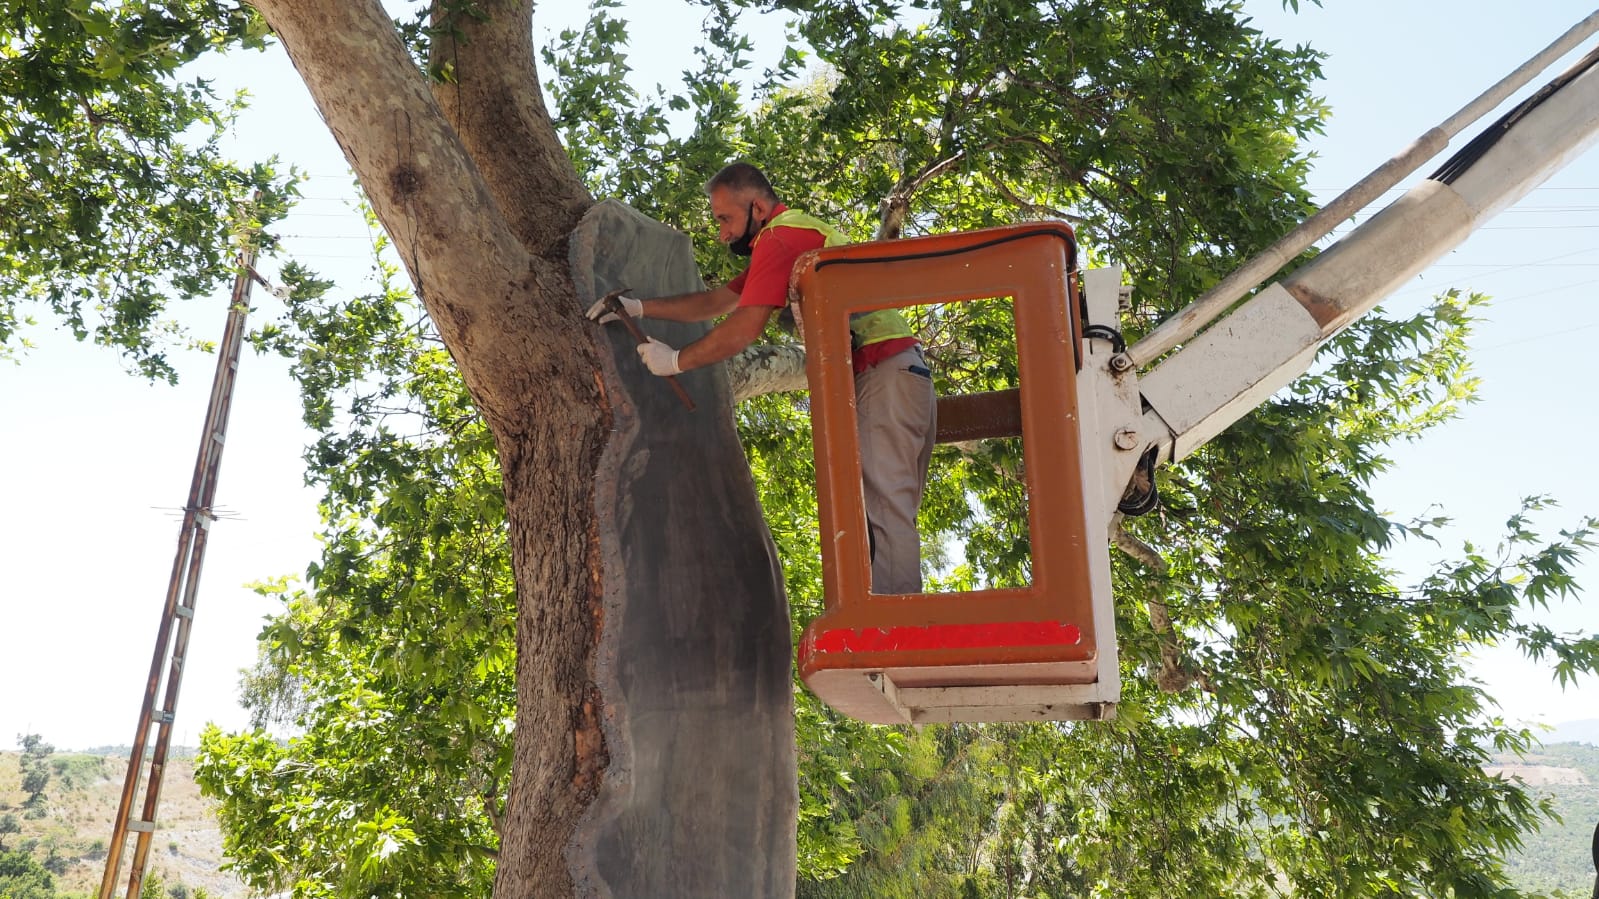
[1218, 377]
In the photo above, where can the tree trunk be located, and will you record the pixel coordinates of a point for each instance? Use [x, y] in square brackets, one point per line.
[654, 750]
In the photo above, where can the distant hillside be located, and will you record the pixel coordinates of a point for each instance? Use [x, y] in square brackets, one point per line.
[82, 797]
[1560, 857]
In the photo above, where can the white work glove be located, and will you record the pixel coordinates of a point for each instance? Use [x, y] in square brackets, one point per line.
[599, 313]
[659, 358]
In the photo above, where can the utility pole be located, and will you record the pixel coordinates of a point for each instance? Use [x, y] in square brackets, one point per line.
[177, 616]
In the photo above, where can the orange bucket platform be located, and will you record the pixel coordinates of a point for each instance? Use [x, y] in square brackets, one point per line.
[1013, 654]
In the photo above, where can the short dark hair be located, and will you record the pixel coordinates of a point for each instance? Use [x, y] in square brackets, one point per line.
[740, 177]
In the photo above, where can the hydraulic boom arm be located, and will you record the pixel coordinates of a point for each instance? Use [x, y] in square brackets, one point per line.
[1217, 378]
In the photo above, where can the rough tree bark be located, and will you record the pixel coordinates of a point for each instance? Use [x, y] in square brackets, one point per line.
[654, 748]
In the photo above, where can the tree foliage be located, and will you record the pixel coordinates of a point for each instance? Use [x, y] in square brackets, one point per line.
[21, 877]
[8, 826]
[34, 765]
[112, 184]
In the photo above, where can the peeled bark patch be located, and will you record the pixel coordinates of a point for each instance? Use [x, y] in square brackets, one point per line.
[693, 664]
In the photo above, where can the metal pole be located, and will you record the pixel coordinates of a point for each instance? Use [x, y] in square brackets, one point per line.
[1185, 324]
[178, 612]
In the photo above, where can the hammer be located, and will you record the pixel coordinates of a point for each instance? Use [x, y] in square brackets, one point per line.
[613, 305]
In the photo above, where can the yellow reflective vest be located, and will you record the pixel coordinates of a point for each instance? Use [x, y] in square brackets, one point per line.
[865, 328]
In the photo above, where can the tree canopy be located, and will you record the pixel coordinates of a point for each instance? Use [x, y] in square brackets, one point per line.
[1293, 720]
[113, 187]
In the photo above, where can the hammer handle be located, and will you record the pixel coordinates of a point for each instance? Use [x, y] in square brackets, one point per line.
[615, 306]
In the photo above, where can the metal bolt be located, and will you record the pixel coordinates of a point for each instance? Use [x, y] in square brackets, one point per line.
[1121, 362]
[1126, 439]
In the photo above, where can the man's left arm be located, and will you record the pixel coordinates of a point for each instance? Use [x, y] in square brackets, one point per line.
[730, 336]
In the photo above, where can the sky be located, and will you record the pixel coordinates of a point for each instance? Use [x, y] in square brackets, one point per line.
[98, 462]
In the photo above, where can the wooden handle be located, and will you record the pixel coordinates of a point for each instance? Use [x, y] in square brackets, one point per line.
[614, 305]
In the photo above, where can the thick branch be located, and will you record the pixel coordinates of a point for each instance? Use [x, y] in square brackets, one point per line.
[469, 269]
[1135, 547]
[896, 207]
[493, 99]
[766, 368]
[1177, 671]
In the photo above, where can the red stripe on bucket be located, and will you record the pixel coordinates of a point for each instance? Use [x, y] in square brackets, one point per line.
[947, 636]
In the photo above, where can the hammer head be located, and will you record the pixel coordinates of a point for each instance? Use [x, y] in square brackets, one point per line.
[613, 300]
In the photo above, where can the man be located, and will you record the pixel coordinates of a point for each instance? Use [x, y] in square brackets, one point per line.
[895, 406]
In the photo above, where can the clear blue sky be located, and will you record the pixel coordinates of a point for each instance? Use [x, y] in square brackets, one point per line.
[98, 461]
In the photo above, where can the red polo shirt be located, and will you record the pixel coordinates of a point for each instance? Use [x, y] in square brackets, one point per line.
[764, 282]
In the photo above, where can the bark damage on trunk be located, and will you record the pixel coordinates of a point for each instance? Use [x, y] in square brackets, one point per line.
[654, 746]
[700, 798]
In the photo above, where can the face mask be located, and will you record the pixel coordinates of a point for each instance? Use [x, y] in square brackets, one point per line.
[745, 245]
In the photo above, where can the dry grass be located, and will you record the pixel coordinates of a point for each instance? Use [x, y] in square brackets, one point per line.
[185, 849]
[1539, 775]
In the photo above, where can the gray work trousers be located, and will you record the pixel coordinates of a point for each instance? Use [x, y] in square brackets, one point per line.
[896, 417]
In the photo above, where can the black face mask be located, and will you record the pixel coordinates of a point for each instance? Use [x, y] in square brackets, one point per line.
[745, 245]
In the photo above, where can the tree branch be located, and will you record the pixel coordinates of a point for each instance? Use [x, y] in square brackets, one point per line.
[430, 196]
[897, 205]
[1136, 548]
[766, 368]
[1029, 205]
[493, 100]
[1176, 670]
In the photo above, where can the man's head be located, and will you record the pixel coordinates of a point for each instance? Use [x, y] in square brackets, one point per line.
[742, 202]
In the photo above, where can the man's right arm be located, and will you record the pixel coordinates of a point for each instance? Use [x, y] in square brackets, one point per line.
[699, 306]
[702, 305]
